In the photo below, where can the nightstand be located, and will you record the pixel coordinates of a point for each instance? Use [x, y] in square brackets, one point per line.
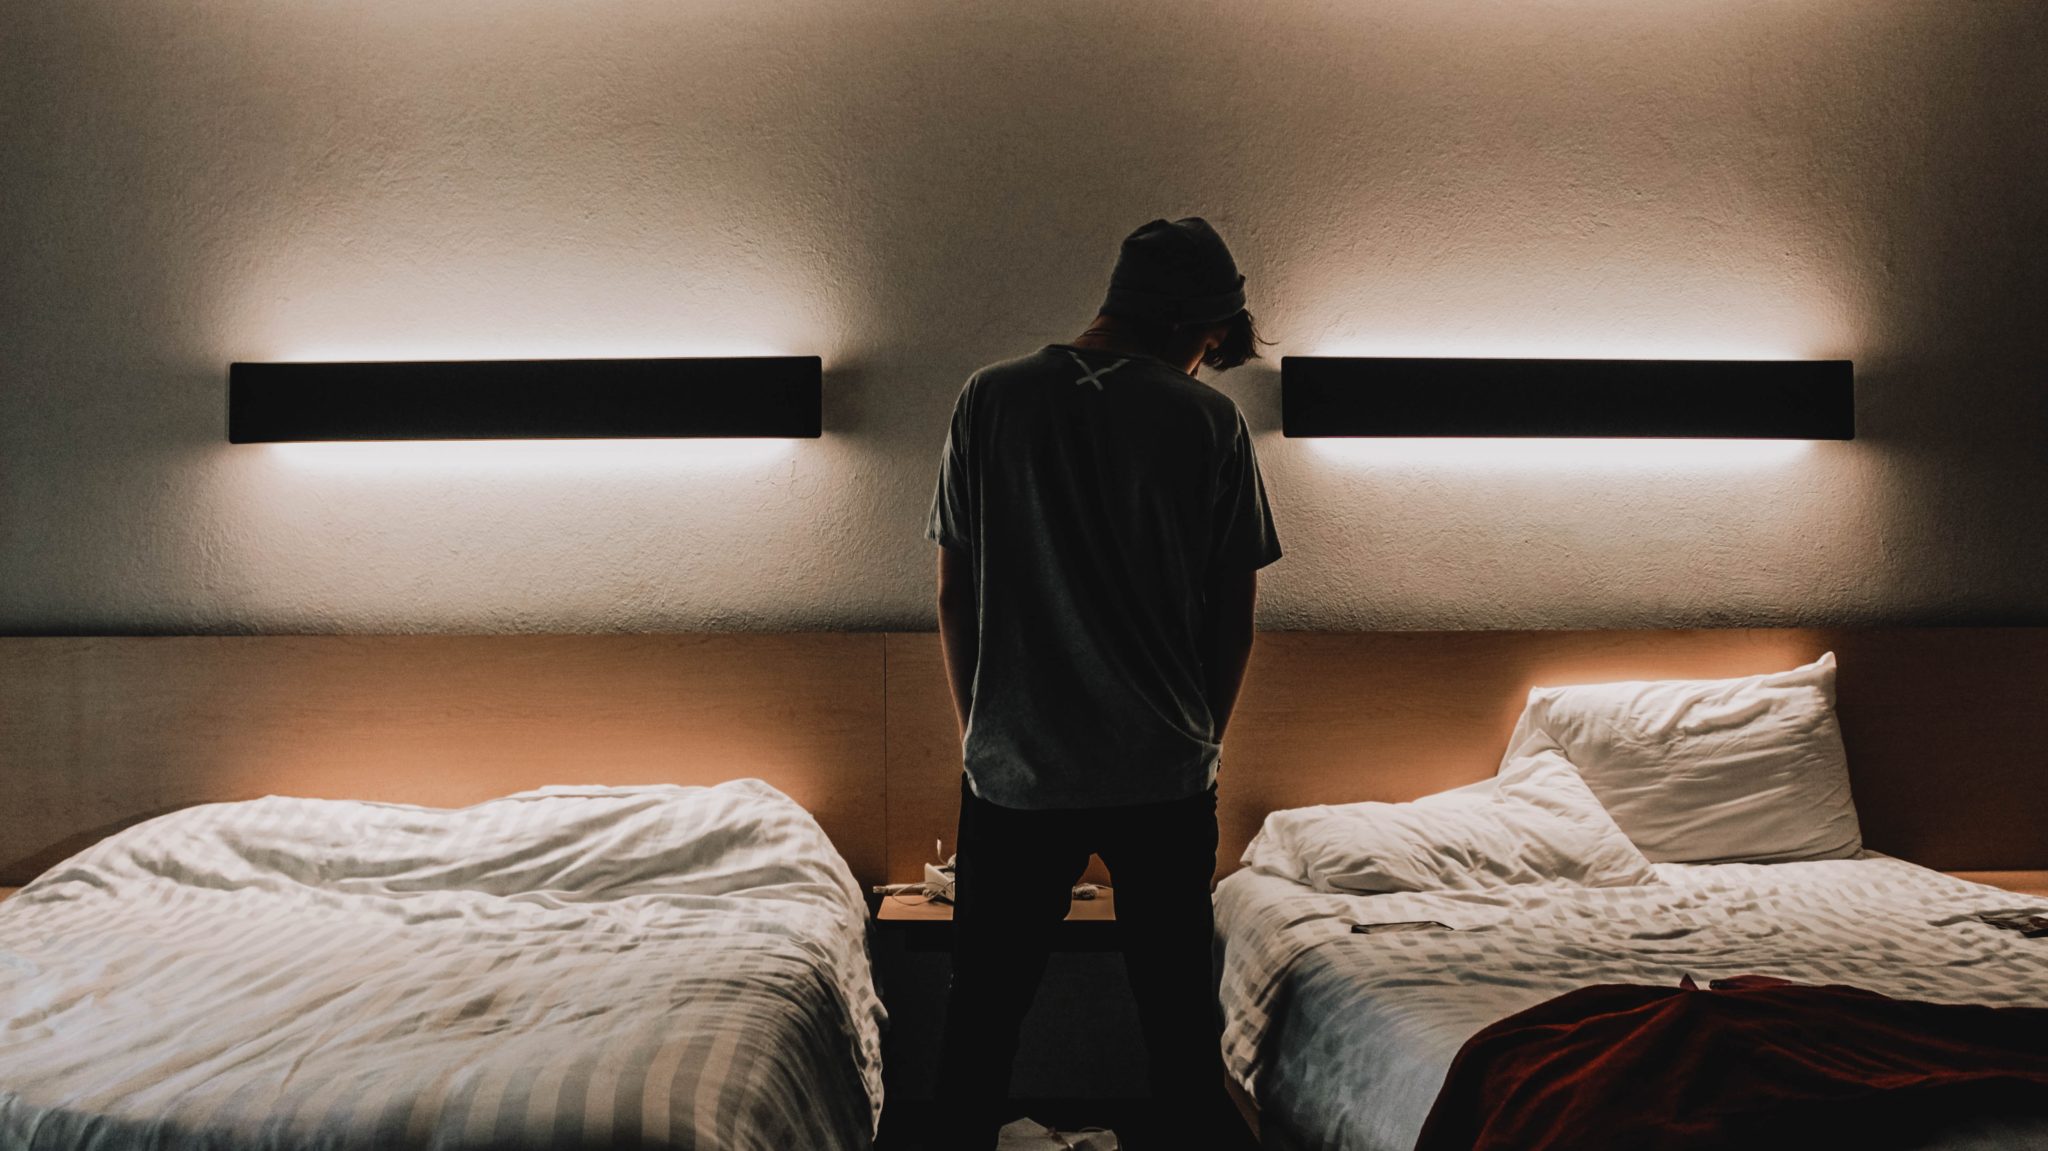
[7, 892]
[927, 924]
[1082, 1054]
[2034, 883]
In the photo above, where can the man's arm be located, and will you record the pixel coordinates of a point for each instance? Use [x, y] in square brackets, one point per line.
[1229, 601]
[959, 630]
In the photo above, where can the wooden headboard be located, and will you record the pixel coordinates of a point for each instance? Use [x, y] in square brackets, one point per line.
[98, 733]
[1947, 729]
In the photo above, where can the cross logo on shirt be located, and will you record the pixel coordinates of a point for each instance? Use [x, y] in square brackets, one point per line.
[1094, 378]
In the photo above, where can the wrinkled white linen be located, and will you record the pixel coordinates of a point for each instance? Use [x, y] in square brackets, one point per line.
[1535, 822]
[1744, 770]
[1345, 1039]
[666, 966]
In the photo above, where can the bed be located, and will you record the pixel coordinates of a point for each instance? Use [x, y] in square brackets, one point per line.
[658, 966]
[1635, 834]
[1344, 1039]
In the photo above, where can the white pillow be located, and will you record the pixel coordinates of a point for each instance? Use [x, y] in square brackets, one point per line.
[1536, 822]
[1708, 771]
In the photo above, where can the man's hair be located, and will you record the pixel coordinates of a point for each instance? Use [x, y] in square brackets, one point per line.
[1240, 342]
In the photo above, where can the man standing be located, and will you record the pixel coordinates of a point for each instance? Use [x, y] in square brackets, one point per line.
[1101, 522]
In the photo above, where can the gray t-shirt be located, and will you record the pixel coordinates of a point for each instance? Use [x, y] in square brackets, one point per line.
[1096, 493]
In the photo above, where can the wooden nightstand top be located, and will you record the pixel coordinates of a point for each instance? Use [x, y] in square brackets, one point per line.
[5, 892]
[917, 909]
[2033, 883]
[927, 925]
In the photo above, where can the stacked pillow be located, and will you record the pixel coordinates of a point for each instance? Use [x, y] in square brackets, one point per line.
[1599, 781]
[1708, 771]
[1535, 822]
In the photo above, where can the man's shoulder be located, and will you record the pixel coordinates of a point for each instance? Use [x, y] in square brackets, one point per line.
[1068, 364]
[1031, 365]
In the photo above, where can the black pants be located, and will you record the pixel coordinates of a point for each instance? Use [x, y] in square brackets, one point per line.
[1013, 876]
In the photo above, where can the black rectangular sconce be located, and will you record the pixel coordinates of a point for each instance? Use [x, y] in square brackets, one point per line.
[1731, 399]
[726, 396]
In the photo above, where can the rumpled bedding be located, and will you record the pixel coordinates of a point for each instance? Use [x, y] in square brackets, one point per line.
[1749, 1062]
[656, 966]
[1344, 1039]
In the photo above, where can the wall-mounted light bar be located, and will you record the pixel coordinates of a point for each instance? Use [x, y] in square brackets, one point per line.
[1733, 399]
[728, 396]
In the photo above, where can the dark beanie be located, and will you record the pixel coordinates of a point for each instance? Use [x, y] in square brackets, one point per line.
[1177, 272]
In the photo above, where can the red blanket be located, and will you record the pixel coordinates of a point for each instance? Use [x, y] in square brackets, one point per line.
[1752, 1062]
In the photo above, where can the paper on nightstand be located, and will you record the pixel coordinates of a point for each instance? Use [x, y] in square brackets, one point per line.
[938, 880]
[1025, 1135]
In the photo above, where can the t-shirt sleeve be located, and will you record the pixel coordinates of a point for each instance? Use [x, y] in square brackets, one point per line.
[1245, 539]
[951, 523]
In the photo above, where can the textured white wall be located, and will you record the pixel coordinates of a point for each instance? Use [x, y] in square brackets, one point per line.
[912, 187]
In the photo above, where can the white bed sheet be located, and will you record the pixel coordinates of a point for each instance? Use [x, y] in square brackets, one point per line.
[1345, 1039]
[659, 966]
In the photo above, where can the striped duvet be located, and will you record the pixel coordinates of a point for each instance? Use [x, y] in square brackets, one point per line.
[656, 967]
[1345, 1039]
